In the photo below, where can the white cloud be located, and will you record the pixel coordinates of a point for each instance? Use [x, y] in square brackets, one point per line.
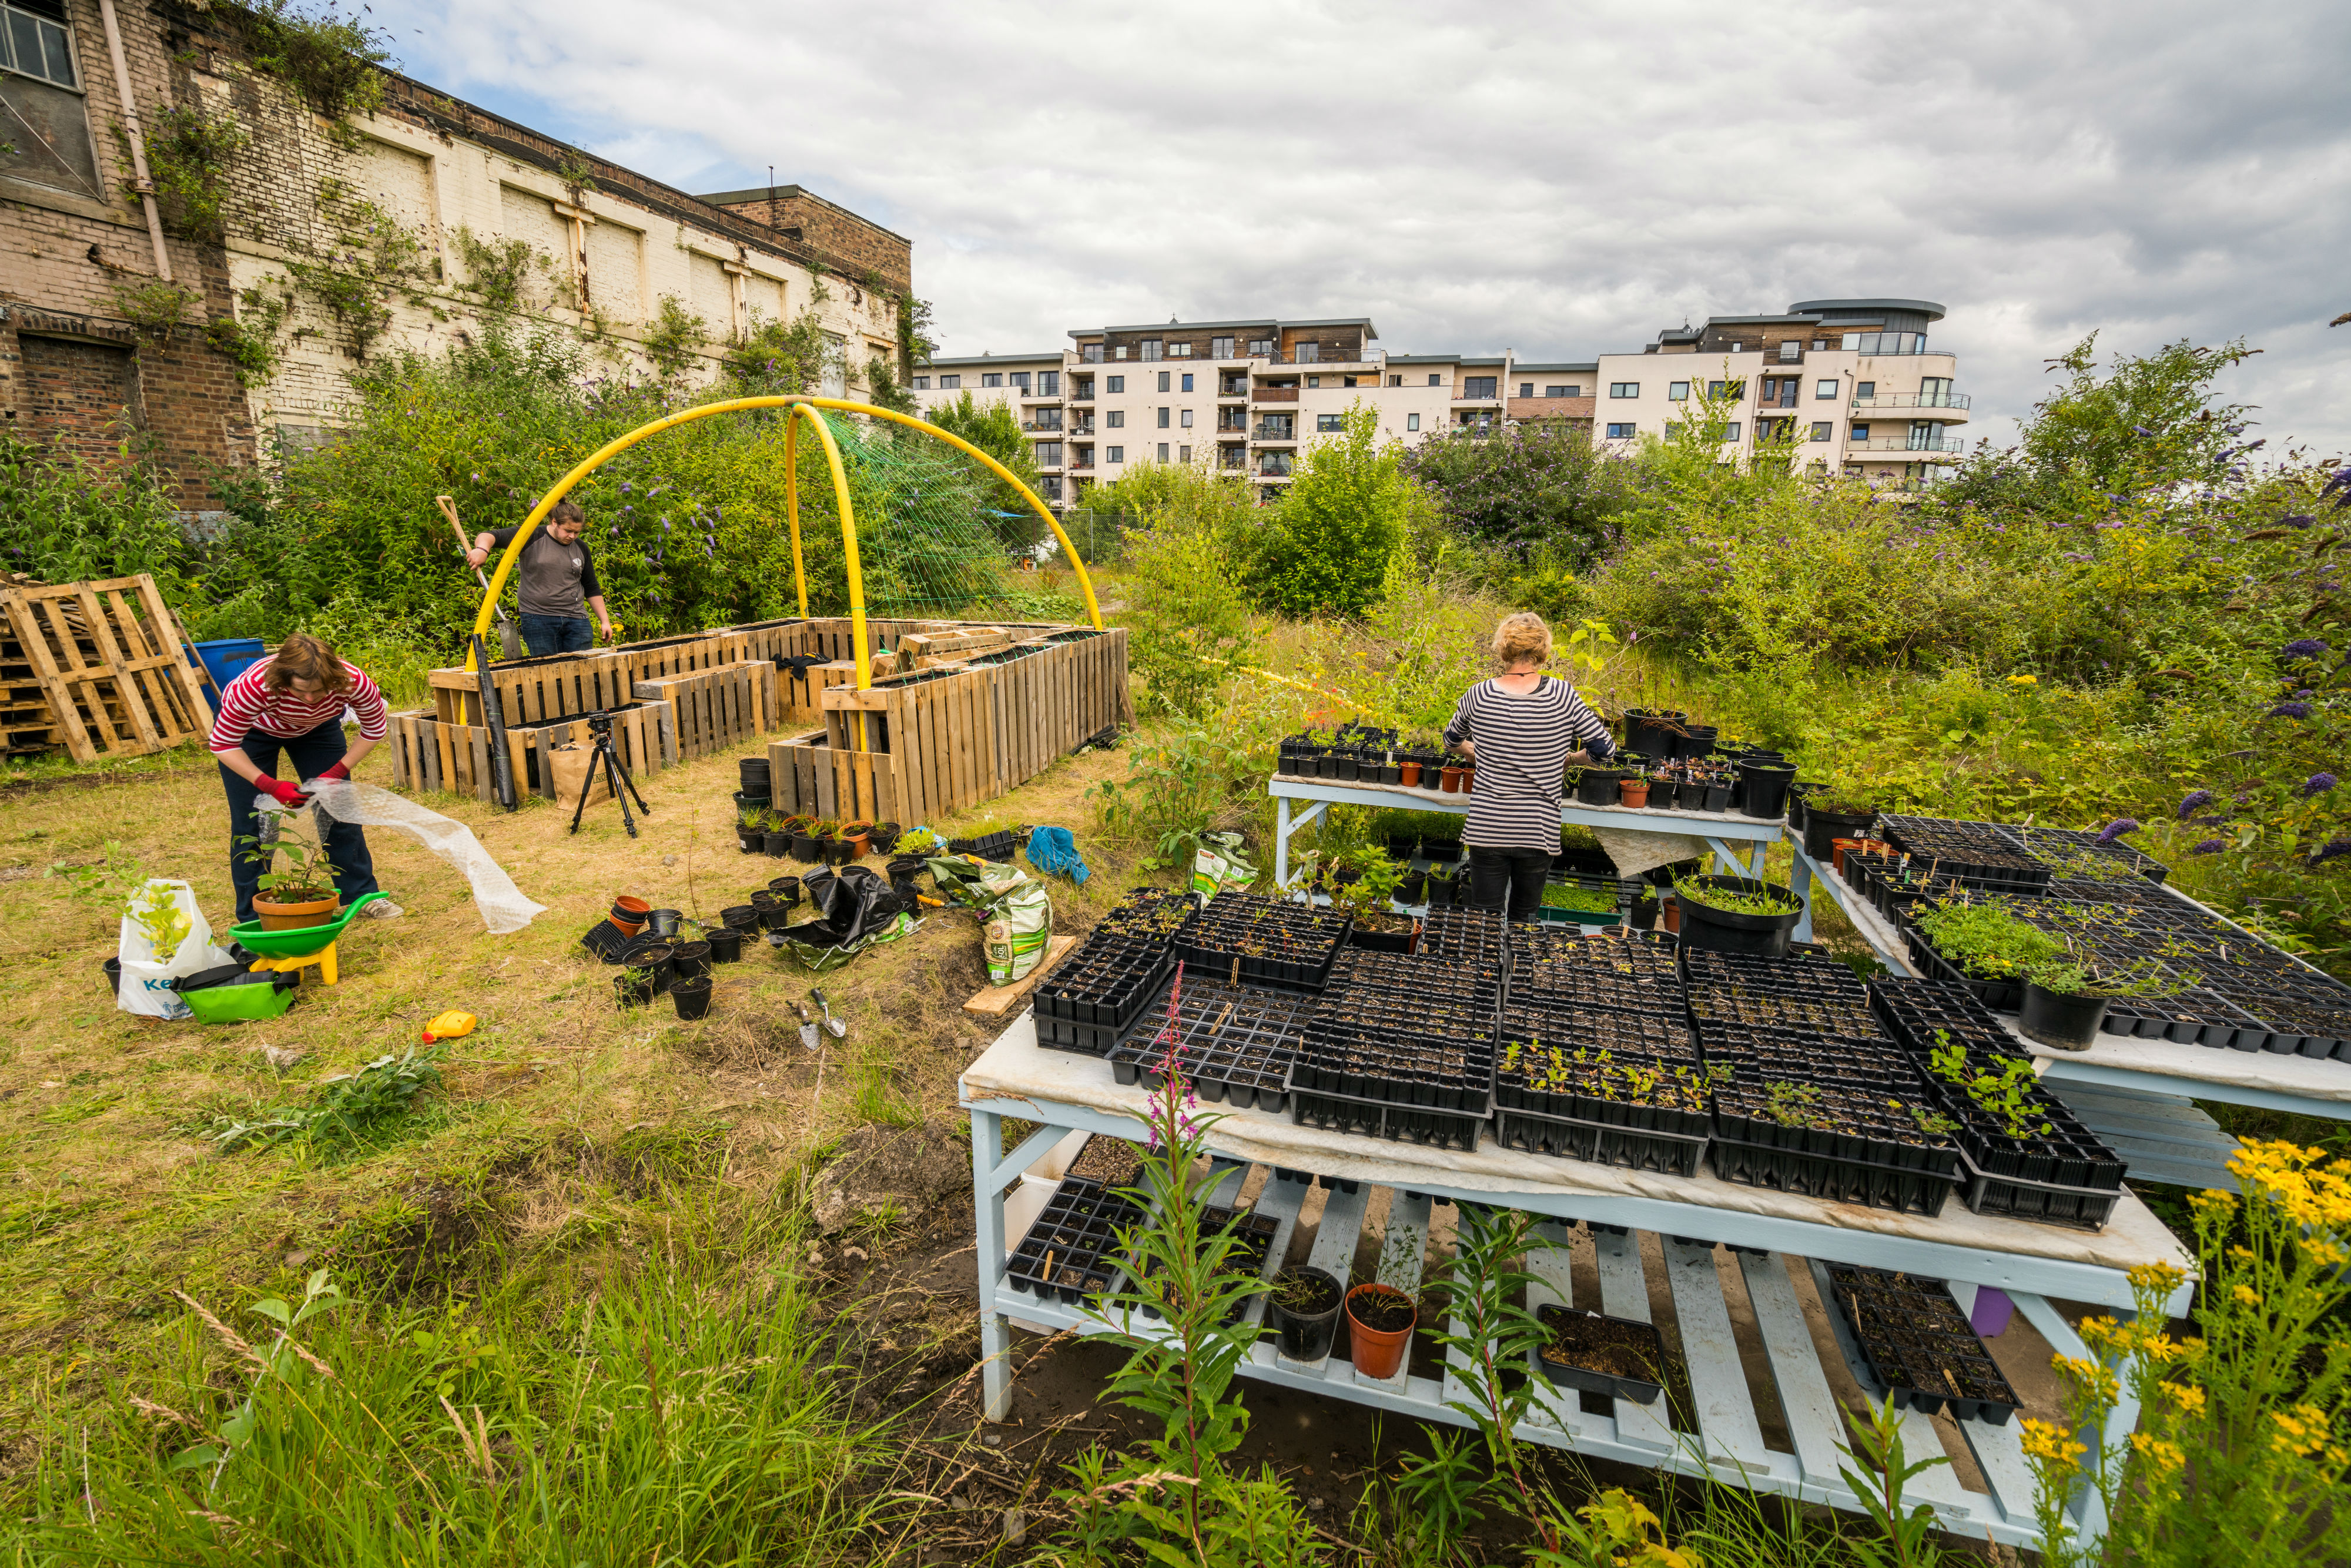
[1562, 181]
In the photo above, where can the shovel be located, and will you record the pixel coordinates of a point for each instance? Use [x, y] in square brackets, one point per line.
[833, 1026]
[808, 1027]
[506, 638]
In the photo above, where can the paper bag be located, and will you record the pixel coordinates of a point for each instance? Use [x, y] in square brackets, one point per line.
[575, 766]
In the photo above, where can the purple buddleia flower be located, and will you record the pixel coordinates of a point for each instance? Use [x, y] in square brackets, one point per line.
[2317, 784]
[2335, 847]
[2303, 648]
[2209, 846]
[2297, 520]
[2289, 710]
[2193, 798]
[2116, 829]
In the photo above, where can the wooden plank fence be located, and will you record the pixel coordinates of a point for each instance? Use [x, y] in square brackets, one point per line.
[717, 709]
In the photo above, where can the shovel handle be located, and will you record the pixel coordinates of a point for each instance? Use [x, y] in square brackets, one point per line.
[466, 546]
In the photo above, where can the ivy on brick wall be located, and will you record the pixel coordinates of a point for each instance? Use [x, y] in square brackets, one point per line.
[372, 259]
[154, 307]
[674, 336]
[188, 155]
[328, 58]
[249, 336]
[496, 269]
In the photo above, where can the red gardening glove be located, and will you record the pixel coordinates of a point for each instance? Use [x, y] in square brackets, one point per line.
[341, 770]
[277, 790]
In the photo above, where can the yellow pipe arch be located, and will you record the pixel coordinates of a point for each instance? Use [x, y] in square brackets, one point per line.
[803, 407]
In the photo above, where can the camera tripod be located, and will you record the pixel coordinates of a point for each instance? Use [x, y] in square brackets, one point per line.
[616, 775]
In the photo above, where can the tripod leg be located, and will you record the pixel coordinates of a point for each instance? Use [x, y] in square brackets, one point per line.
[588, 782]
[612, 777]
[632, 783]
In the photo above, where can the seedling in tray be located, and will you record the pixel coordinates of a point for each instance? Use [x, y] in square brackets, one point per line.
[1845, 1119]
[1237, 938]
[1401, 1048]
[1151, 914]
[1637, 1112]
[1617, 1357]
[1918, 1345]
[1097, 991]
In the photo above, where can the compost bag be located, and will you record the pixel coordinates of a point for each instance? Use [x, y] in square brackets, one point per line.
[1016, 908]
[854, 908]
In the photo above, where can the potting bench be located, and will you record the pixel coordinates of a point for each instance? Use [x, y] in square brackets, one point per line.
[1640, 1224]
[1720, 829]
[2135, 1093]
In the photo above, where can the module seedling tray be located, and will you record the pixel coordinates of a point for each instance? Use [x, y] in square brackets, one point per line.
[1098, 991]
[1619, 1358]
[1234, 1043]
[1072, 1251]
[1253, 1236]
[1916, 1345]
[1401, 1048]
[1264, 941]
[1151, 914]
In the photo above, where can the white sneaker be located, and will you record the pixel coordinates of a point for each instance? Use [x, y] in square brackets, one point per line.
[382, 909]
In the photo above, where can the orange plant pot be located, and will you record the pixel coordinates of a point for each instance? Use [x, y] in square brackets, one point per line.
[1377, 1352]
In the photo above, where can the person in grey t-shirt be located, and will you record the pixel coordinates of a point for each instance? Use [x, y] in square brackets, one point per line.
[558, 581]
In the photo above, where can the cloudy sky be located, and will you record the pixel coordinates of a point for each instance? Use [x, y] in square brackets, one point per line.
[1562, 180]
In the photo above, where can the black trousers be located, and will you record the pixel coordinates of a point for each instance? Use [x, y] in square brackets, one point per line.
[306, 757]
[1515, 877]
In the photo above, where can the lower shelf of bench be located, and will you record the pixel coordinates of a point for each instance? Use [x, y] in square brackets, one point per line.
[1729, 1444]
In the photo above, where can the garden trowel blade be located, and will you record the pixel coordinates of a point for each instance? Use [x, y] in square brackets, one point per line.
[807, 1028]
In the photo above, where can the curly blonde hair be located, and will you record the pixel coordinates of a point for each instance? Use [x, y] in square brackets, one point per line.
[1523, 636]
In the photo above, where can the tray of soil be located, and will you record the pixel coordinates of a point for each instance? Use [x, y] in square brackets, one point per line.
[1463, 936]
[1111, 1164]
[996, 846]
[1736, 915]
[1823, 996]
[1072, 1251]
[1380, 930]
[1848, 1119]
[1149, 915]
[1401, 1048]
[1551, 967]
[1964, 849]
[1271, 941]
[1252, 1236]
[1616, 1357]
[1097, 991]
[1641, 1112]
[2078, 854]
[1904, 1336]
[1302, 1310]
[1234, 1044]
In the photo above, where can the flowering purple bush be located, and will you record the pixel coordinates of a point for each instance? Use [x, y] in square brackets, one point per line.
[2116, 829]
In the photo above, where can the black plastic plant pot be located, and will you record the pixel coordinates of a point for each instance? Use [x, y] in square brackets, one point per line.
[2060, 1021]
[653, 955]
[692, 997]
[604, 939]
[1598, 787]
[776, 916]
[690, 961]
[779, 845]
[753, 773]
[1305, 1335]
[1766, 793]
[883, 837]
[1697, 741]
[805, 848]
[1823, 829]
[1645, 914]
[727, 945]
[787, 890]
[1412, 887]
[665, 922]
[1627, 1344]
[839, 851]
[740, 916]
[752, 840]
[633, 987]
[1712, 930]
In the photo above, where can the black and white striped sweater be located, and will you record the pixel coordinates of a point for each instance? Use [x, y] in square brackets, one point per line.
[1523, 746]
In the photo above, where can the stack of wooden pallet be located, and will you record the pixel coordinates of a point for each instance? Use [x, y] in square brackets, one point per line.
[96, 667]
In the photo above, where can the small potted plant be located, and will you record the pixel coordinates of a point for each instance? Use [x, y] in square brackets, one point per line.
[858, 836]
[1633, 790]
[884, 837]
[1736, 915]
[751, 829]
[1379, 1319]
[809, 841]
[303, 894]
[1646, 909]
[1304, 1308]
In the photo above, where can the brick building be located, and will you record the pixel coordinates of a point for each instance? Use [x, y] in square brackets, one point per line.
[289, 247]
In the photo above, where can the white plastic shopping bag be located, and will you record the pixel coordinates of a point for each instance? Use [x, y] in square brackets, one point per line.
[164, 935]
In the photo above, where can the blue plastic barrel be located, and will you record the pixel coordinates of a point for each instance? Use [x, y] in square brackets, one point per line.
[224, 659]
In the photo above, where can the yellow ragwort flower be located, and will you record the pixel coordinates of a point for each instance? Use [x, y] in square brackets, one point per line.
[2246, 1295]
[2044, 1441]
[2161, 1456]
[2186, 1397]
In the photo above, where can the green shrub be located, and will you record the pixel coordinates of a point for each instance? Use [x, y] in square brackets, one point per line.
[1335, 537]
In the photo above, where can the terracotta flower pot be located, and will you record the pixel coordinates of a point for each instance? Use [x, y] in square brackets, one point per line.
[295, 916]
[1411, 780]
[1673, 914]
[1449, 780]
[1469, 778]
[1633, 791]
[1377, 1353]
[629, 914]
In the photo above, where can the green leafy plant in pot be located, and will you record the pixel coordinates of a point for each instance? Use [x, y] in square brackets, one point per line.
[1843, 808]
[303, 894]
[1736, 915]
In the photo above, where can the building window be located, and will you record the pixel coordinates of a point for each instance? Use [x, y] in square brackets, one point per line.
[1113, 453]
[1734, 391]
[1117, 383]
[1187, 380]
[1823, 429]
[1163, 418]
[1346, 380]
[1395, 380]
[1314, 381]
[1049, 455]
[1526, 389]
[1153, 348]
[1436, 381]
[1886, 343]
[1732, 434]
[1182, 455]
[1412, 422]
[1115, 419]
[1309, 353]
[1220, 348]
[1620, 433]
[1020, 379]
[37, 44]
[1864, 388]
[1557, 391]
[1089, 353]
[1260, 348]
[1791, 349]
[950, 383]
[1164, 379]
[921, 383]
[1049, 383]
[1478, 386]
[1329, 424]
[1163, 452]
[1676, 392]
[1861, 432]
[1187, 420]
[1632, 389]
[1052, 483]
[992, 379]
[1827, 390]
[1179, 351]
[1119, 352]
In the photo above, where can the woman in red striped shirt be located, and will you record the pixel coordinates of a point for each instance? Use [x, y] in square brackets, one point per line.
[293, 701]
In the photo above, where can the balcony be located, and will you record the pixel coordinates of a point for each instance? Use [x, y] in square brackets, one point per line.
[1042, 423]
[1084, 392]
[1234, 462]
[1326, 356]
[1276, 430]
[1039, 396]
[1274, 465]
[1081, 463]
[1915, 400]
[1274, 394]
[1083, 427]
[1233, 386]
[1918, 447]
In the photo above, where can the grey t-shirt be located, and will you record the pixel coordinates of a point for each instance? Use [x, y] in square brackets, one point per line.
[553, 578]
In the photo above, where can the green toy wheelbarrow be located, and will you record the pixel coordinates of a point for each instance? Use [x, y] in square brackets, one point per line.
[304, 945]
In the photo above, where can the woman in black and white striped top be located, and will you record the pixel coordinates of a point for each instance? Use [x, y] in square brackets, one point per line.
[1522, 730]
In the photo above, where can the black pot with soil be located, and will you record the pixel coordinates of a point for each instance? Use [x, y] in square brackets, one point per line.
[779, 845]
[885, 837]
[806, 848]
[1827, 820]
[653, 955]
[692, 997]
[665, 923]
[1597, 786]
[2059, 1020]
[1763, 791]
[1412, 887]
[1645, 913]
[740, 916]
[1710, 929]
[633, 987]
[725, 944]
[1618, 1357]
[1303, 1308]
[752, 840]
[688, 961]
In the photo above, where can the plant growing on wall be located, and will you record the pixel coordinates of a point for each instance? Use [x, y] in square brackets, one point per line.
[371, 258]
[675, 333]
[188, 155]
[496, 269]
[154, 307]
[249, 336]
[328, 59]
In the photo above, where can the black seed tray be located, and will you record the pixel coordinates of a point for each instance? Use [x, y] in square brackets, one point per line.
[1961, 849]
[996, 846]
[1808, 993]
[2067, 1156]
[2001, 995]
[2051, 1203]
[2195, 1017]
[1603, 974]
[1302, 941]
[1404, 1030]
[1639, 1390]
[2065, 849]
[1108, 980]
[1464, 936]
[1235, 1045]
[1571, 1137]
[1154, 914]
[1914, 1011]
[1641, 1033]
[1837, 1180]
[1071, 1250]
[1382, 1119]
[1917, 1347]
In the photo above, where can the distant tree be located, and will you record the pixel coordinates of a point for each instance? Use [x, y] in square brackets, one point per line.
[996, 430]
[1335, 534]
[1524, 488]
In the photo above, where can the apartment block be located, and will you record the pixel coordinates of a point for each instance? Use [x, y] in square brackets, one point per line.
[332, 245]
[1851, 381]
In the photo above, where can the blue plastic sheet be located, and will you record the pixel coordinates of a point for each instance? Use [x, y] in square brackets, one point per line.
[1054, 852]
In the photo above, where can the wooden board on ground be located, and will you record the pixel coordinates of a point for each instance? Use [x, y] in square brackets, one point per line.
[996, 1001]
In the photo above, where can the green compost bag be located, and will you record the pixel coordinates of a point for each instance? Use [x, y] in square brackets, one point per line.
[240, 1002]
[1016, 909]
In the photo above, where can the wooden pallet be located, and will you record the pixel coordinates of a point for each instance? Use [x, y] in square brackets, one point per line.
[536, 690]
[107, 659]
[717, 709]
[430, 753]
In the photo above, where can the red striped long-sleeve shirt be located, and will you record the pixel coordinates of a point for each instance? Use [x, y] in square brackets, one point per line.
[248, 704]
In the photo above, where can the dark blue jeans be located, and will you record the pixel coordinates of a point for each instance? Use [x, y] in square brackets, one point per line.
[544, 634]
[306, 757]
[1512, 877]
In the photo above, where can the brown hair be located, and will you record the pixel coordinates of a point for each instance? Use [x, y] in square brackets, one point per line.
[302, 657]
[1523, 636]
[567, 511]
